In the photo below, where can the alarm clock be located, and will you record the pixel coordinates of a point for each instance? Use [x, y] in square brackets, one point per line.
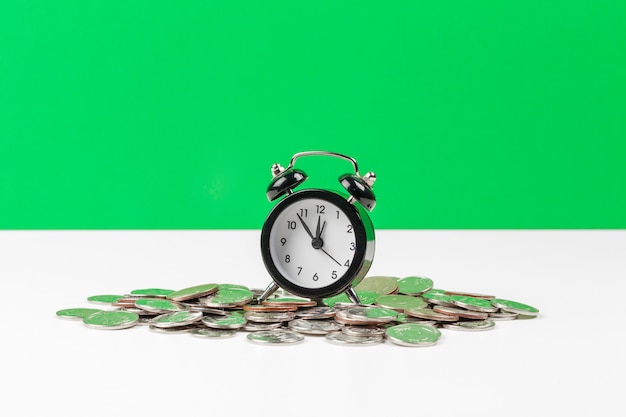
[317, 243]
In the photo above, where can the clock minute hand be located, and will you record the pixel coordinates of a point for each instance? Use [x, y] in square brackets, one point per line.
[305, 227]
[330, 256]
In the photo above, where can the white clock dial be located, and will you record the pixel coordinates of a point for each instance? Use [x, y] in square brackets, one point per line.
[316, 257]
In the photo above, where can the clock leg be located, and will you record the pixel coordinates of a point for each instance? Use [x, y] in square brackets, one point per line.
[352, 295]
[268, 291]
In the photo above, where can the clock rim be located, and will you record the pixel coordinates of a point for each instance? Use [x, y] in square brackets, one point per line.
[364, 242]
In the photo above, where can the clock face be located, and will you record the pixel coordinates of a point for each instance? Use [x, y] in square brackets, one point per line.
[314, 243]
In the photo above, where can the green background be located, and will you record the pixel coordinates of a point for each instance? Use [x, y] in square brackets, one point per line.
[168, 115]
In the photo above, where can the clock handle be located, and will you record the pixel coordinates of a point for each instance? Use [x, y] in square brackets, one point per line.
[352, 295]
[324, 153]
[268, 291]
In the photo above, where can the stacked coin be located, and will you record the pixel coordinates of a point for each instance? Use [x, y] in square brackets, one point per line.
[405, 311]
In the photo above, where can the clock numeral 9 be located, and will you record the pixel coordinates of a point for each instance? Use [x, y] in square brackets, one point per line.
[283, 241]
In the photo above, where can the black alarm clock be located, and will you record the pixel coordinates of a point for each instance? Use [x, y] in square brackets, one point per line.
[317, 243]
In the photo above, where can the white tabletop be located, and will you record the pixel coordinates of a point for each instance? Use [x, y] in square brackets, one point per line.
[569, 361]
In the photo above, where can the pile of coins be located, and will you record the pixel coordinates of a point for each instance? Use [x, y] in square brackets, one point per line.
[405, 311]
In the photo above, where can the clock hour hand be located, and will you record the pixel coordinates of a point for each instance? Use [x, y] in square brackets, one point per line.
[318, 232]
[305, 227]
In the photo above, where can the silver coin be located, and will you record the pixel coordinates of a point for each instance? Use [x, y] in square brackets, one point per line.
[269, 317]
[413, 335]
[228, 298]
[191, 293]
[382, 285]
[437, 297]
[470, 294]
[158, 305]
[259, 327]
[471, 303]
[372, 314]
[503, 316]
[212, 333]
[515, 307]
[471, 326]
[76, 313]
[140, 312]
[460, 312]
[400, 302]
[361, 331]
[176, 319]
[316, 313]
[403, 318]
[194, 306]
[341, 316]
[233, 321]
[151, 292]
[346, 306]
[111, 320]
[414, 285]
[314, 326]
[430, 314]
[172, 330]
[278, 336]
[221, 287]
[340, 338]
[144, 321]
[104, 298]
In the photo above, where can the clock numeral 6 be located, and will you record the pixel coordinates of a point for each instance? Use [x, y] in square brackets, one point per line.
[315, 277]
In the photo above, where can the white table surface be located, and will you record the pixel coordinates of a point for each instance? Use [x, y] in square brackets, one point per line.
[570, 361]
